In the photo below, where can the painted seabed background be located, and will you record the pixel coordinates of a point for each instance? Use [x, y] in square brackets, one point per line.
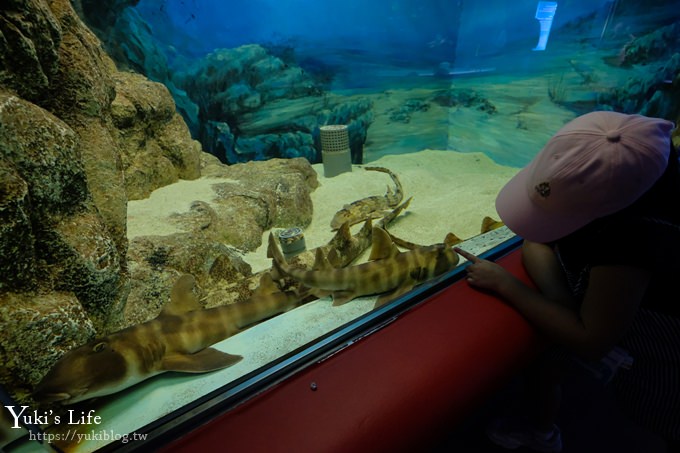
[451, 99]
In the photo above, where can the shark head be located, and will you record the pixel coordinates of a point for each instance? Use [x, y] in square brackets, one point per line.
[445, 259]
[85, 372]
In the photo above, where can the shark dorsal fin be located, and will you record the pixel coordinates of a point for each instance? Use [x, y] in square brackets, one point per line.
[451, 239]
[320, 261]
[489, 223]
[182, 297]
[344, 234]
[266, 286]
[382, 246]
[368, 225]
[334, 259]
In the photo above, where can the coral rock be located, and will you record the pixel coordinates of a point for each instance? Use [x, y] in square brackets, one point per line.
[36, 330]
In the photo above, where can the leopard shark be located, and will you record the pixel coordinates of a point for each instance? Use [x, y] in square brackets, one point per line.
[389, 272]
[179, 339]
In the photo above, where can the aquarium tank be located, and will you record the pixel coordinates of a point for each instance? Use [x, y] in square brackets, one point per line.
[195, 192]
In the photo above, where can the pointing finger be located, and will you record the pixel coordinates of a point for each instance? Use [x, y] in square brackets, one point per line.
[468, 256]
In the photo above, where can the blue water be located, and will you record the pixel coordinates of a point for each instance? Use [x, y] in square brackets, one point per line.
[201, 26]
[393, 26]
[358, 47]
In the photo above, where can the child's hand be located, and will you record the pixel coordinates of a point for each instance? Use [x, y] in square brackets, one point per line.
[484, 274]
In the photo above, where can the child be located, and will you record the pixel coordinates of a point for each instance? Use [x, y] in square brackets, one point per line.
[599, 209]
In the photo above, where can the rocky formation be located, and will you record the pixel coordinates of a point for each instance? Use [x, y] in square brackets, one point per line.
[659, 44]
[132, 45]
[260, 195]
[254, 106]
[657, 92]
[78, 139]
[63, 238]
[156, 147]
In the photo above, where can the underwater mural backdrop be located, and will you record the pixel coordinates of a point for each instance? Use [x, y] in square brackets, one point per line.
[147, 144]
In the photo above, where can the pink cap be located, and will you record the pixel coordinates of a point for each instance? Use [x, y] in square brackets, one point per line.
[597, 164]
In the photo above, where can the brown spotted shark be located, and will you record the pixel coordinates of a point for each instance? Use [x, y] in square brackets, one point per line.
[369, 207]
[177, 340]
[387, 271]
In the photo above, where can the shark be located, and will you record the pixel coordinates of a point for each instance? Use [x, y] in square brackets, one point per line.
[178, 339]
[370, 207]
[389, 272]
[343, 249]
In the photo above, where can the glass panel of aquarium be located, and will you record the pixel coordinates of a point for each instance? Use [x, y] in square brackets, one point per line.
[241, 175]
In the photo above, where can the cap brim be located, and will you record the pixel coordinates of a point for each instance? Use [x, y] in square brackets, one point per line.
[528, 220]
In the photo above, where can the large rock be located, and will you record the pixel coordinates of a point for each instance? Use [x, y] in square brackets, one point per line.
[101, 158]
[132, 44]
[257, 196]
[157, 149]
[43, 327]
[82, 86]
[70, 126]
[58, 239]
[17, 242]
[44, 182]
[53, 239]
[29, 38]
[45, 152]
